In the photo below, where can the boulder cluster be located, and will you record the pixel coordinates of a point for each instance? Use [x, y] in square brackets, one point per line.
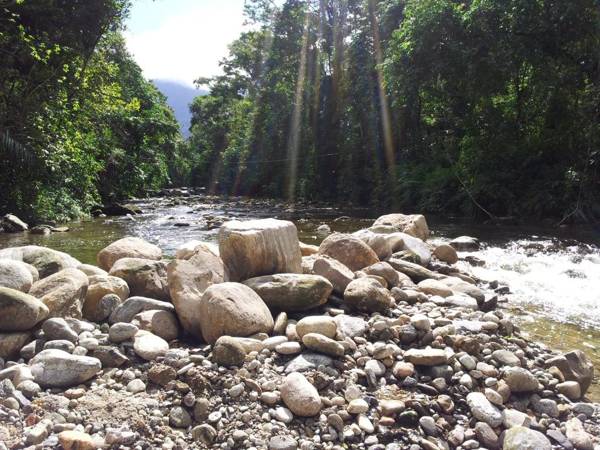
[372, 340]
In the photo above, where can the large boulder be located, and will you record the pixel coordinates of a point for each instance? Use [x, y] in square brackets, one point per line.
[349, 250]
[416, 272]
[459, 286]
[57, 368]
[575, 366]
[465, 244]
[129, 247]
[20, 311]
[127, 310]
[16, 275]
[145, 277]
[188, 278]
[259, 247]
[233, 309]
[367, 294]
[412, 224]
[99, 286]
[12, 224]
[385, 271]
[291, 291]
[45, 260]
[12, 343]
[63, 292]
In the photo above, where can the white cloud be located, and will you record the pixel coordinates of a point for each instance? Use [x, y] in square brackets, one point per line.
[189, 44]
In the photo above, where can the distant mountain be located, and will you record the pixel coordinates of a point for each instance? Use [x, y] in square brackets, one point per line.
[179, 96]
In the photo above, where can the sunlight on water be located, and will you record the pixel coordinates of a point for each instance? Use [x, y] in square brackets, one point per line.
[563, 283]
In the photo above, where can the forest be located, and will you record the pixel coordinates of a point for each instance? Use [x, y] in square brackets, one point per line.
[483, 108]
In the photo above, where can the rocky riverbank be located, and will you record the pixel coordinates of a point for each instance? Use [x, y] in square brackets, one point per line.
[372, 340]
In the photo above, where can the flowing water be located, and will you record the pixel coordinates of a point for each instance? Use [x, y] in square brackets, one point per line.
[553, 274]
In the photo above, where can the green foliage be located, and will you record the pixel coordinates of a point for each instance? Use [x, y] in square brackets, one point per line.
[80, 125]
[434, 105]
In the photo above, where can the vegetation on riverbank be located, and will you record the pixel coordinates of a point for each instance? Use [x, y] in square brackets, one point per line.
[433, 105]
[79, 125]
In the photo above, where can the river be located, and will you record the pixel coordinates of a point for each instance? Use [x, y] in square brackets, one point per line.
[553, 274]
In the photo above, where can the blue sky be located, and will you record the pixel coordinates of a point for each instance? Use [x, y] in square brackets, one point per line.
[182, 40]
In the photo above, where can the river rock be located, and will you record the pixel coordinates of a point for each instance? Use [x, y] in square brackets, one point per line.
[56, 368]
[378, 243]
[76, 440]
[367, 294]
[483, 410]
[338, 274]
[521, 438]
[506, 358]
[569, 389]
[426, 356]
[128, 247]
[349, 250]
[58, 328]
[11, 343]
[127, 310]
[16, 275]
[91, 271]
[191, 248]
[413, 245]
[324, 325]
[145, 277]
[350, 326]
[12, 224]
[162, 323]
[307, 249]
[300, 396]
[459, 286]
[385, 271]
[228, 352]
[45, 260]
[122, 331]
[414, 225]
[149, 346]
[465, 244]
[62, 292]
[434, 287]
[291, 291]
[187, 283]
[519, 379]
[414, 271]
[99, 286]
[233, 309]
[323, 344]
[580, 438]
[446, 253]
[575, 366]
[259, 247]
[20, 311]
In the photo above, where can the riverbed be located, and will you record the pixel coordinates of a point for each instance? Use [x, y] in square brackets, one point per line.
[553, 274]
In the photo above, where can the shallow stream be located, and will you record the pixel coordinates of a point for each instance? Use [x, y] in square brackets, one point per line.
[553, 274]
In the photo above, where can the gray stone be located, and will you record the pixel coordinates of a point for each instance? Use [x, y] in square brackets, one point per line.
[483, 410]
[128, 247]
[300, 396]
[56, 368]
[20, 311]
[521, 438]
[127, 310]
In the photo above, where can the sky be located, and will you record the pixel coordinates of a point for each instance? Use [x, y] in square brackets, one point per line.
[182, 40]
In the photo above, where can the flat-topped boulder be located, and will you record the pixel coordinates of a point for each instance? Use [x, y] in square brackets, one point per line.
[259, 247]
[20, 311]
[128, 247]
[291, 291]
[412, 224]
[233, 309]
[426, 356]
[45, 260]
[145, 277]
[62, 292]
[349, 250]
